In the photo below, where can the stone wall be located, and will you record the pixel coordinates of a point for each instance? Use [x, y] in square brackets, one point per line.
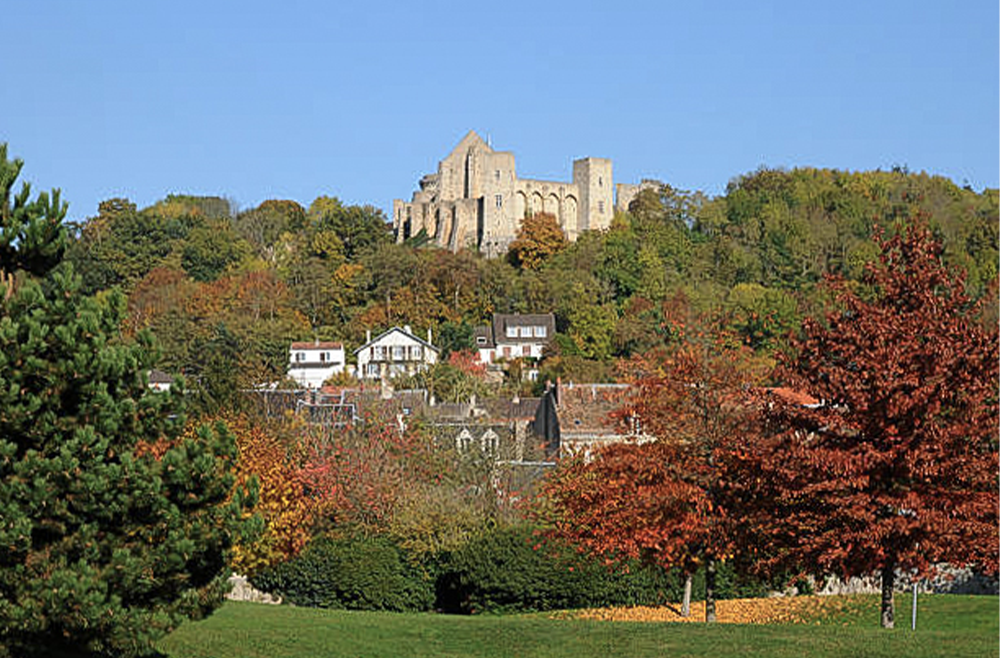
[476, 199]
[949, 580]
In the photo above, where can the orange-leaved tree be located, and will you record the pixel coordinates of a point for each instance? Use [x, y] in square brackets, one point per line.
[659, 498]
[540, 237]
[893, 469]
[283, 503]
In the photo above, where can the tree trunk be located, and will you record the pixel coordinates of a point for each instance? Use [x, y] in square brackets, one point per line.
[888, 580]
[710, 591]
[686, 602]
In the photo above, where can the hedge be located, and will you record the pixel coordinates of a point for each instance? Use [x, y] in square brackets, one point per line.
[353, 573]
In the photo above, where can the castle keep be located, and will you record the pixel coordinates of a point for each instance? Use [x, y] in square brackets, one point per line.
[476, 200]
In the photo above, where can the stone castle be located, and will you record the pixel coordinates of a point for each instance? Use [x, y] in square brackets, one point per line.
[476, 200]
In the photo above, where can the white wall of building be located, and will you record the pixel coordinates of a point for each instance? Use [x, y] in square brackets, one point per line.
[396, 352]
[311, 366]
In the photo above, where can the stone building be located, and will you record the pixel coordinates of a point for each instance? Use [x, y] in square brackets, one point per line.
[476, 199]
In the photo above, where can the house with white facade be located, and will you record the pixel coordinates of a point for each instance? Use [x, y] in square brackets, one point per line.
[395, 352]
[159, 381]
[311, 364]
[514, 336]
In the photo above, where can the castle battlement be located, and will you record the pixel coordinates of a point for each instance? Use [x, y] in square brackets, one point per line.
[476, 199]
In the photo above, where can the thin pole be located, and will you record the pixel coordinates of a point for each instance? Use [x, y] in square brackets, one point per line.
[913, 620]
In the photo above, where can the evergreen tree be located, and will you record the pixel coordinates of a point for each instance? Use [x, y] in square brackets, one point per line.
[113, 528]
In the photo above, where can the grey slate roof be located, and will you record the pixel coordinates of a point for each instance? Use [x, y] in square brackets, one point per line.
[503, 320]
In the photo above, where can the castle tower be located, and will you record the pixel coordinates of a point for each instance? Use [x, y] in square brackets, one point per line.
[476, 199]
[592, 177]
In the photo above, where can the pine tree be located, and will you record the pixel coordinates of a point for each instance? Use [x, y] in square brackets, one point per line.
[113, 529]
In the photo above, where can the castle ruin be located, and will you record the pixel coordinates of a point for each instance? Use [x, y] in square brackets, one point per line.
[475, 200]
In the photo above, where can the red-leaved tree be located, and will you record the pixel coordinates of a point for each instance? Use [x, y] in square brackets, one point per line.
[360, 474]
[660, 499]
[894, 470]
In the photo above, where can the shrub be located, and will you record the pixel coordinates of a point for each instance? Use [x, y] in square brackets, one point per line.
[353, 573]
[512, 570]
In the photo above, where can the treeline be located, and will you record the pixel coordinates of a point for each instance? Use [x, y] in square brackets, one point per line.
[225, 292]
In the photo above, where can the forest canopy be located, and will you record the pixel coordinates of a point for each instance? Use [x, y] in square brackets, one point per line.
[201, 274]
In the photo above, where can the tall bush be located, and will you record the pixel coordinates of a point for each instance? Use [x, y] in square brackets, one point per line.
[352, 573]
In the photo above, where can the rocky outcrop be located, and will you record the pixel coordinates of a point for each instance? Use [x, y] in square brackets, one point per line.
[243, 591]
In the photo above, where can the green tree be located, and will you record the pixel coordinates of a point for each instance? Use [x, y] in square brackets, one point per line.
[455, 337]
[121, 245]
[210, 249]
[360, 228]
[591, 325]
[31, 235]
[113, 529]
[264, 226]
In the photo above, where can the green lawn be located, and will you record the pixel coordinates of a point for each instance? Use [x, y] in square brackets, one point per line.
[948, 626]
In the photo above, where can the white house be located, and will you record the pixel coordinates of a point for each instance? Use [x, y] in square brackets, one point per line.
[514, 336]
[311, 364]
[159, 381]
[395, 352]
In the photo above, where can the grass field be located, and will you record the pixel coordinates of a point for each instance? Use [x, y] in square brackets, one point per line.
[948, 626]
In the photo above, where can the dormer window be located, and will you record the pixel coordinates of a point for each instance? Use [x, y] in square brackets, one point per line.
[480, 340]
[511, 332]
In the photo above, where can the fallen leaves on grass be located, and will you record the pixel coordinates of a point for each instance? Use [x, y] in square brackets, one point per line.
[777, 610]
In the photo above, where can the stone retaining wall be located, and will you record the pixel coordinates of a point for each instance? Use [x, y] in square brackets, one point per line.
[948, 580]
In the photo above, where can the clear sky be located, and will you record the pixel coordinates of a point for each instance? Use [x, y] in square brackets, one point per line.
[357, 99]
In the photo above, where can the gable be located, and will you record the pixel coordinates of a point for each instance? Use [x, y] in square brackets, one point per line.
[396, 337]
[471, 141]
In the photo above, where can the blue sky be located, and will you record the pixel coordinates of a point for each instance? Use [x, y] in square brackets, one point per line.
[300, 98]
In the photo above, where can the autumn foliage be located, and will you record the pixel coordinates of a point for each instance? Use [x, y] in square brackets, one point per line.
[283, 504]
[895, 468]
[660, 499]
[627, 502]
[361, 474]
[540, 237]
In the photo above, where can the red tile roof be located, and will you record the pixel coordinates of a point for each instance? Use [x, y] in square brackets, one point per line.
[793, 396]
[314, 345]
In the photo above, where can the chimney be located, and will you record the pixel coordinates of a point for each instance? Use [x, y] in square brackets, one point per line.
[429, 341]
[407, 329]
[368, 336]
